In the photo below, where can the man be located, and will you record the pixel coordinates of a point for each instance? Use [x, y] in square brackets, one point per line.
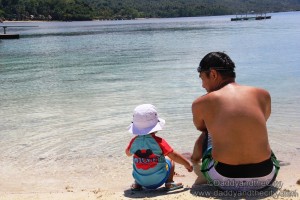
[234, 118]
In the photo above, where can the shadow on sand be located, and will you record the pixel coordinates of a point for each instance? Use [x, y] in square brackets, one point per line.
[147, 193]
[206, 191]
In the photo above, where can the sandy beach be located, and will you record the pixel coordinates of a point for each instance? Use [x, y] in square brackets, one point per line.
[105, 180]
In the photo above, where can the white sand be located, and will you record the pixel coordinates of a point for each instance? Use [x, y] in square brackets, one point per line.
[111, 178]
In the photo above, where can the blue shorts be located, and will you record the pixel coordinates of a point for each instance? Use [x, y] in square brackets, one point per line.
[164, 180]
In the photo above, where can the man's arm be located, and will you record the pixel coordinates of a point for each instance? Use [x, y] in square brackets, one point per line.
[200, 125]
[197, 114]
[265, 102]
[268, 105]
[197, 152]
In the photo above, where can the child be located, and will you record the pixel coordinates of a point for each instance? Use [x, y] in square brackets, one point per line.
[150, 167]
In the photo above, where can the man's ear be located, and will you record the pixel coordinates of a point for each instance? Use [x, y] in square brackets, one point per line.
[213, 74]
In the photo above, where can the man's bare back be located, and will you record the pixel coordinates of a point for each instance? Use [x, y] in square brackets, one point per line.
[235, 116]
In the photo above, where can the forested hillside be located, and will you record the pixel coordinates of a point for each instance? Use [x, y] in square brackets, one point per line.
[130, 9]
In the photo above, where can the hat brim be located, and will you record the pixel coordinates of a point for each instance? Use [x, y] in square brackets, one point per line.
[135, 131]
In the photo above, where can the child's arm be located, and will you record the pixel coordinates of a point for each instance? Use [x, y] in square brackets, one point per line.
[177, 157]
[128, 152]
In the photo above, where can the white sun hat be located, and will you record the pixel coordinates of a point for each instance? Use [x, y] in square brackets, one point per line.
[145, 120]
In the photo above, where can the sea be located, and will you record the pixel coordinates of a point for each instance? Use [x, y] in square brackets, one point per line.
[68, 89]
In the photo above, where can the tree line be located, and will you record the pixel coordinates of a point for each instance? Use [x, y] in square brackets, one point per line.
[74, 10]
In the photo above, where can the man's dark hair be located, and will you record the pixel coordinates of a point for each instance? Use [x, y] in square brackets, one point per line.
[218, 61]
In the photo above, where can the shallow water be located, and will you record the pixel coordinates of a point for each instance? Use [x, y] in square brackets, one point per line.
[68, 89]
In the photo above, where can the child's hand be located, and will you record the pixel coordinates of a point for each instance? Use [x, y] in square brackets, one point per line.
[189, 168]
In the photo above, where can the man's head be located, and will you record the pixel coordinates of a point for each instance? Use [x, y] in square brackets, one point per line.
[218, 61]
[216, 70]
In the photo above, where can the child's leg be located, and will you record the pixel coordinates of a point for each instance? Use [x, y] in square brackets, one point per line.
[172, 170]
[170, 184]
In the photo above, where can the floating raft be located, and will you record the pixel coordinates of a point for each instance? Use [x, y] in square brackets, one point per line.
[259, 17]
[9, 36]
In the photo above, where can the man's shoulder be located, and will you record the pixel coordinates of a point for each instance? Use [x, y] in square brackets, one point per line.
[257, 90]
[201, 100]
[251, 89]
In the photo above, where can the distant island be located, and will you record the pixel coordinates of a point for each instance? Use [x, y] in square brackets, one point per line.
[79, 10]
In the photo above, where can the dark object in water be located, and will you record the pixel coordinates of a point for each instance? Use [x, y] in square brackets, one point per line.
[246, 17]
[9, 36]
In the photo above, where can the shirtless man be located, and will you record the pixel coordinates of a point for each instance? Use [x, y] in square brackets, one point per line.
[234, 118]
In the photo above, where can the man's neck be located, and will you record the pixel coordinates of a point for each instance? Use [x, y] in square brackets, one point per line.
[223, 84]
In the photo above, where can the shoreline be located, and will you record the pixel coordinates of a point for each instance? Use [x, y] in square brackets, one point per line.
[36, 21]
[33, 21]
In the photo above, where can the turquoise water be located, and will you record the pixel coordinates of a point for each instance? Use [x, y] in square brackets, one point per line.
[68, 89]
